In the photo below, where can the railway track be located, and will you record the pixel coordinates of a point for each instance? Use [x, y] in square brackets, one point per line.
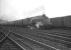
[39, 40]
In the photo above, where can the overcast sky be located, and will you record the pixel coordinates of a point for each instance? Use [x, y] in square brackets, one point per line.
[18, 9]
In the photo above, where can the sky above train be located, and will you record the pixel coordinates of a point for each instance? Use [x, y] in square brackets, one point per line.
[21, 9]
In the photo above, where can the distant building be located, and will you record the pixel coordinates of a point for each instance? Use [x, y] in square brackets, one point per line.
[67, 21]
[64, 21]
[57, 22]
